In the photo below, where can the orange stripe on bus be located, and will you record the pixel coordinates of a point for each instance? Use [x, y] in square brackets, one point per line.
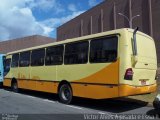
[38, 85]
[7, 82]
[94, 91]
[126, 90]
[108, 75]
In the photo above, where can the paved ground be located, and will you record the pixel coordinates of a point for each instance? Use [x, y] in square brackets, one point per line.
[37, 105]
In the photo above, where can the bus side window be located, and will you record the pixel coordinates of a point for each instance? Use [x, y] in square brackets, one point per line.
[24, 59]
[37, 57]
[76, 53]
[103, 50]
[54, 55]
[15, 60]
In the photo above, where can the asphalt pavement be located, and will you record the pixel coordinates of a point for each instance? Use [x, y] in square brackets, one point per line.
[45, 106]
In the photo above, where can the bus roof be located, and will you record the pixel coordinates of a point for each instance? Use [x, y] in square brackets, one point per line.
[117, 31]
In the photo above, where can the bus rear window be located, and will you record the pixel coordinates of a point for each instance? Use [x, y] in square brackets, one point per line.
[103, 50]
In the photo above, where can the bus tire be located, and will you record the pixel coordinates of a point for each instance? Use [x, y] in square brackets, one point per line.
[65, 94]
[14, 86]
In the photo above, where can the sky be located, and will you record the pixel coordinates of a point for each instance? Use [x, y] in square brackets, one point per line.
[20, 18]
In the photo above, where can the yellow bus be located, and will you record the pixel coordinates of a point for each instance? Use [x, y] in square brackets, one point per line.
[111, 64]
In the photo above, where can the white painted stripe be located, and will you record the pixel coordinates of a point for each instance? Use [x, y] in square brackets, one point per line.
[7, 91]
[101, 113]
[30, 96]
[16, 93]
[74, 107]
[46, 100]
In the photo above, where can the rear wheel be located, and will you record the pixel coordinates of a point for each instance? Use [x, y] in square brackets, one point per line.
[65, 94]
[14, 86]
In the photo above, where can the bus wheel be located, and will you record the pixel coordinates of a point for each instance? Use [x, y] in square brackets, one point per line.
[14, 86]
[65, 94]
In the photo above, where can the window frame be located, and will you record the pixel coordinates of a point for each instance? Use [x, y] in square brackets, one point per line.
[31, 64]
[76, 42]
[29, 59]
[109, 36]
[60, 45]
[17, 61]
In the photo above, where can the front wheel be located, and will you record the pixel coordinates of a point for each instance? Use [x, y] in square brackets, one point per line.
[65, 94]
[14, 86]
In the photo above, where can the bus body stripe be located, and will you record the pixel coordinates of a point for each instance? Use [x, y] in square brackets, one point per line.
[108, 75]
[95, 91]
